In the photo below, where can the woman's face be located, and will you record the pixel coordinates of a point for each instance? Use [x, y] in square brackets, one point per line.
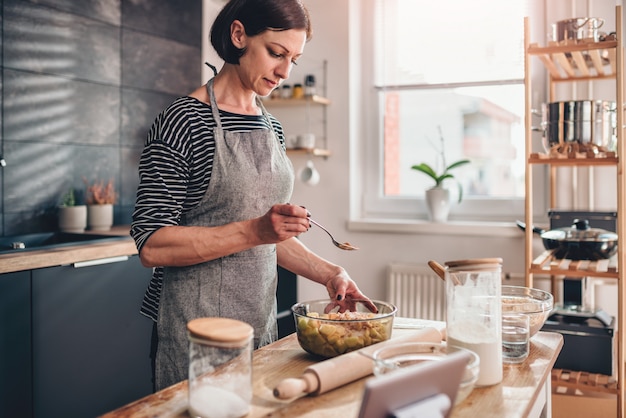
[269, 58]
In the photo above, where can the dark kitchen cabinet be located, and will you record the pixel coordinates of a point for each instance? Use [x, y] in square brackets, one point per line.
[15, 345]
[286, 296]
[91, 345]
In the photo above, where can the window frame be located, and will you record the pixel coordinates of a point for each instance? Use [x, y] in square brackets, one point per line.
[371, 203]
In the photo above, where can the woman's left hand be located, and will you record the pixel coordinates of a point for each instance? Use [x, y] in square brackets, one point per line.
[344, 293]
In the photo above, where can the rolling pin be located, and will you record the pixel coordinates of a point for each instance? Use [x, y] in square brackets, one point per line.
[338, 371]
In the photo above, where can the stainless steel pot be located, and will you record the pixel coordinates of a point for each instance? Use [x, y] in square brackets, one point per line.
[578, 29]
[590, 122]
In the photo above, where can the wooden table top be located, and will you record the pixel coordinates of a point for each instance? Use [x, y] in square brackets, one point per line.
[514, 397]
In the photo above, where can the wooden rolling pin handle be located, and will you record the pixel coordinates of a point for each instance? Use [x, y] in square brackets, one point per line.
[294, 387]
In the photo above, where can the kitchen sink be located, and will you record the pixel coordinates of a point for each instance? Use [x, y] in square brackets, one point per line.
[49, 240]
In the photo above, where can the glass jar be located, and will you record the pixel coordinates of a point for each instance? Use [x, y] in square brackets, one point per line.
[474, 312]
[309, 85]
[285, 92]
[298, 91]
[220, 367]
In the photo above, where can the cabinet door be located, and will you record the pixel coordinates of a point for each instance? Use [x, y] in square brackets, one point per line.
[91, 346]
[15, 345]
[286, 296]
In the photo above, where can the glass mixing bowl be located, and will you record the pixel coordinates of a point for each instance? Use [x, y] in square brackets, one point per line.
[331, 334]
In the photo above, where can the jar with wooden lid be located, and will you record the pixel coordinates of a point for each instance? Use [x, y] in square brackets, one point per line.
[220, 367]
[474, 313]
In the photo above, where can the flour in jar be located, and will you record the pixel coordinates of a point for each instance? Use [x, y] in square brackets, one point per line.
[485, 343]
[213, 402]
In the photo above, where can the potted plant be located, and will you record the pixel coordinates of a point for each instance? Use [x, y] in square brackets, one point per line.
[438, 197]
[72, 217]
[101, 197]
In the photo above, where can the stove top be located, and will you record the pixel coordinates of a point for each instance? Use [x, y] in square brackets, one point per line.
[577, 314]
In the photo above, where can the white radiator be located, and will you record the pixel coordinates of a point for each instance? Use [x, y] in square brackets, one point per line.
[416, 291]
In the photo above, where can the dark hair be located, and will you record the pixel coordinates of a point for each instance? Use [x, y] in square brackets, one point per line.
[257, 16]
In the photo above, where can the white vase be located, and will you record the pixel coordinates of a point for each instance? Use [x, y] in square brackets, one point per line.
[438, 203]
[100, 217]
[73, 218]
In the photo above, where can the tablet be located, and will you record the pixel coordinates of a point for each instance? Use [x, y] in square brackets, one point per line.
[404, 387]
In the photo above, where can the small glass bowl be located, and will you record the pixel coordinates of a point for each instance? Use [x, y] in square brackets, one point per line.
[395, 356]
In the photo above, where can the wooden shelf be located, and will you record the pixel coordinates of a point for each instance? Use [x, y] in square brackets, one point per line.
[584, 381]
[546, 263]
[577, 159]
[317, 100]
[316, 152]
[577, 61]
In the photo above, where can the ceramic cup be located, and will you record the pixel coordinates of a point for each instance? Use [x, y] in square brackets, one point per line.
[291, 141]
[306, 141]
[309, 174]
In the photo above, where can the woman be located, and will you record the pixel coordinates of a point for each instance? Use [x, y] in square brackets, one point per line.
[214, 178]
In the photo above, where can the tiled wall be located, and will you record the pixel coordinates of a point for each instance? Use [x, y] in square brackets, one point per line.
[81, 82]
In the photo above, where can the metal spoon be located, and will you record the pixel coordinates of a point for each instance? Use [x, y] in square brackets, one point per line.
[343, 245]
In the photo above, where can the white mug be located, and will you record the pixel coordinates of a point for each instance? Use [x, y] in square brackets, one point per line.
[291, 141]
[306, 141]
[309, 174]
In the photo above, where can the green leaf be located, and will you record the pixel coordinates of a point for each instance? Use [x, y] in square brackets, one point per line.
[457, 164]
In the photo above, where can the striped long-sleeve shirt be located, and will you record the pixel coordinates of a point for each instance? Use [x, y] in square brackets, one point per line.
[175, 170]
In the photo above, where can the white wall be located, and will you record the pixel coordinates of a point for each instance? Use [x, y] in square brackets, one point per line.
[330, 200]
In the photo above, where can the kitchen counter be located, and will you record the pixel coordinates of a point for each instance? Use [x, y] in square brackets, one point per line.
[29, 260]
[523, 393]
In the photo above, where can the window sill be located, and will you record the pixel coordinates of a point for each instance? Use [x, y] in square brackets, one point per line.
[457, 228]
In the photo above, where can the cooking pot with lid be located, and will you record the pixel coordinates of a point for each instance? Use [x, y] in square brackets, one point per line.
[578, 29]
[578, 242]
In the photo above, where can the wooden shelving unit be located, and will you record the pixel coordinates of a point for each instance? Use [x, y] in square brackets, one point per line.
[574, 62]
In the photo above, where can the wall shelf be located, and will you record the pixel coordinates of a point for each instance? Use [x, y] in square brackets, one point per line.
[316, 152]
[315, 100]
[311, 105]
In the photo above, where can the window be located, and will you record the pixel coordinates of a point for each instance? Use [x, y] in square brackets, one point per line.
[446, 82]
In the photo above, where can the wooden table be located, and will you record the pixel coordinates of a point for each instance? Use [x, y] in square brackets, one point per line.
[524, 391]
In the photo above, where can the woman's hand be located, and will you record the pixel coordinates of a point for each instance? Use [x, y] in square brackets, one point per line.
[281, 222]
[344, 293]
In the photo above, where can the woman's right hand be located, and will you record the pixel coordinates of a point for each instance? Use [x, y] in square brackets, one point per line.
[281, 222]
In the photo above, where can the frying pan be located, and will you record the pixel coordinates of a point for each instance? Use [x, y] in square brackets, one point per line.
[577, 242]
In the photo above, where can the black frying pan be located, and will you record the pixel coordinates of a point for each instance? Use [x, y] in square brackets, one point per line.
[577, 242]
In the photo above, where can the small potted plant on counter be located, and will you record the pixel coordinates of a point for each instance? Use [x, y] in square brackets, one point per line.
[438, 197]
[72, 217]
[101, 197]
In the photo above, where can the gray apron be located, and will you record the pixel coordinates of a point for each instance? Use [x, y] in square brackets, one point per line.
[250, 173]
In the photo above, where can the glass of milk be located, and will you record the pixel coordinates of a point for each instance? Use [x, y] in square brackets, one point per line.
[474, 313]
